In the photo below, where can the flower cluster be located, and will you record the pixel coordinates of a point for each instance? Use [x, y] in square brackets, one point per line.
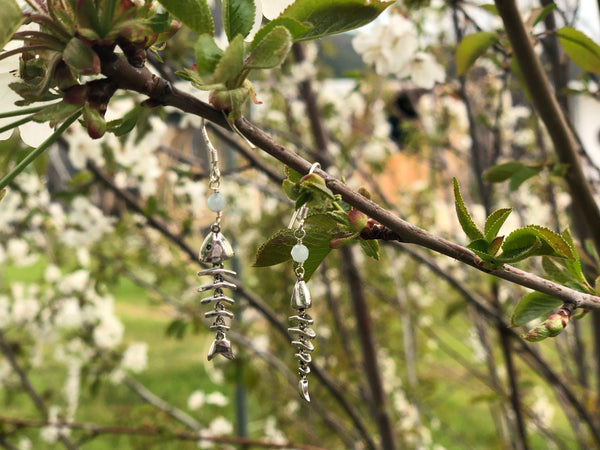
[393, 48]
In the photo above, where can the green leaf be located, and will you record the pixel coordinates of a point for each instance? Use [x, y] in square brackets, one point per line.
[124, 125]
[370, 247]
[494, 222]
[522, 175]
[554, 240]
[238, 17]
[231, 64]
[534, 240]
[208, 54]
[502, 172]
[518, 245]
[81, 58]
[333, 16]
[541, 13]
[472, 47]
[56, 113]
[295, 28]
[556, 270]
[573, 264]
[580, 48]
[532, 306]
[10, 20]
[271, 51]
[490, 7]
[195, 14]
[277, 249]
[466, 222]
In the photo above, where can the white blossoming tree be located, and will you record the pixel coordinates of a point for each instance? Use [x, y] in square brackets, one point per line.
[425, 339]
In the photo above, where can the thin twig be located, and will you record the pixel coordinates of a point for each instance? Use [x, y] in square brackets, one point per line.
[150, 430]
[26, 383]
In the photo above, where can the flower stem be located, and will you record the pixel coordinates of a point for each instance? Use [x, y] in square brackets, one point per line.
[23, 111]
[38, 151]
[10, 126]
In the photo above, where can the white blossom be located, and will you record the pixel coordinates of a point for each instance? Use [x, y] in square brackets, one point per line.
[423, 70]
[17, 251]
[220, 426]
[135, 357]
[69, 313]
[196, 400]
[389, 46]
[74, 282]
[25, 306]
[108, 333]
[216, 398]
[86, 224]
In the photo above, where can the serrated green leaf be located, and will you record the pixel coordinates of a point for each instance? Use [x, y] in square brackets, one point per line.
[580, 48]
[208, 54]
[472, 47]
[522, 175]
[518, 245]
[494, 222]
[554, 240]
[466, 222]
[479, 246]
[10, 20]
[195, 14]
[271, 51]
[555, 270]
[333, 16]
[231, 64]
[573, 264]
[293, 26]
[370, 247]
[238, 17]
[502, 172]
[532, 306]
[534, 240]
[277, 249]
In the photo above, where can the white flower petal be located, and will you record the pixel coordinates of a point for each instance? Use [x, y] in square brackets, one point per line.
[272, 8]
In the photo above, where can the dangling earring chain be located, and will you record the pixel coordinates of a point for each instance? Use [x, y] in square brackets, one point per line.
[301, 301]
[216, 249]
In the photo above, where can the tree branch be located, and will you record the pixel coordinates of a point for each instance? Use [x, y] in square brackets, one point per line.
[143, 81]
[566, 146]
[150, 430]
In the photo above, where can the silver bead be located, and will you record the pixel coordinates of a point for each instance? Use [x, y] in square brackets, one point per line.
[301, 296]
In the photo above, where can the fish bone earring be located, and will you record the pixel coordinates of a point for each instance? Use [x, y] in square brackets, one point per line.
[214, 250]
[301, 332]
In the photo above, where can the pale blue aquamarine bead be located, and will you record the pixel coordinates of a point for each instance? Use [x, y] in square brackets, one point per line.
[216, 202]
[299, 253]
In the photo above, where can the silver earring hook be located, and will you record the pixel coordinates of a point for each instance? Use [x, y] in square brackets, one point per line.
[213, 156]
[300, 214]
